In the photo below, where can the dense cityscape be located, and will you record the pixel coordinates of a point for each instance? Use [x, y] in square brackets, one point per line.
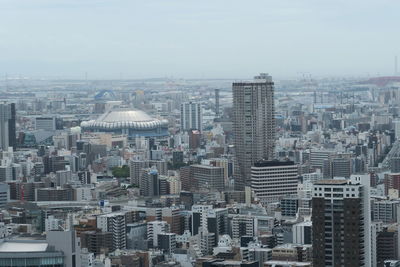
[181, 173]
[212, 133]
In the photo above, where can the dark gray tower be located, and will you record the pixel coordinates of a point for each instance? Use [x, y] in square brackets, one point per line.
[217, 103]
[253, 125]
[12, 134]
[6, 118]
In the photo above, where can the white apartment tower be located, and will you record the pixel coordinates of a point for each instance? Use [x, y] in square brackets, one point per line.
[191, 116]
[253, 125]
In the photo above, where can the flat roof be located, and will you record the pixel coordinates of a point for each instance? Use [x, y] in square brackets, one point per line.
[10, 246]
[273, 163]
[331, 182]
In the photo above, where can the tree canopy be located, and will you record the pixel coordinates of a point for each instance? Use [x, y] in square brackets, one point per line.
[121, 172]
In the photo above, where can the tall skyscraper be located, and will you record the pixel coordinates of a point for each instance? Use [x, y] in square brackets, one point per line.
[7, 125]
[341, 222]
[217, 103]
[191, 116]
[12, 132]
[253, 125]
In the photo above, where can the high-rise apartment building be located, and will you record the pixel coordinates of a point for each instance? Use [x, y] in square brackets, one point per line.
[115, 224]
[272, 180]
[391, 181]
[341, 222]
[191, 116]
[243, 225]
[167, 242]
[155, 228]
[174, 218]
[217, 103]
[253, 125]
[149, 184]
[7, 125]
[135, 170]
[12, 131]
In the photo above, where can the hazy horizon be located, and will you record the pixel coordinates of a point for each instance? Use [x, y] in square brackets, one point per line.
[197, 39]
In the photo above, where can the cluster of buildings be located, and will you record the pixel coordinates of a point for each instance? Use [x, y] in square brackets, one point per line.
[201, 173]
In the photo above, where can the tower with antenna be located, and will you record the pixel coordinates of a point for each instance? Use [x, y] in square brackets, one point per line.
[395, 66]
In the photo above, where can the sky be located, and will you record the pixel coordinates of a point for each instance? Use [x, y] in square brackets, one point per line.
[106, 39]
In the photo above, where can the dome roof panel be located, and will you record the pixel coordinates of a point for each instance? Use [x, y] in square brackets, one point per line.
[124, 118]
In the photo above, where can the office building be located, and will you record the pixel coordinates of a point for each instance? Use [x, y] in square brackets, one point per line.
[272, 180]
[97, 242]
[387, 245]
[318, 157]
[4, 194]
[177, 158]
[63, 177]
[341, 222]
[30, 253]
[340, 167]
[6, 173]
[395, 164]
[68, 243]
[191, 116]
[207, 176]
[289, 205]
[54, 194]
[253, 125]
[136, 236]
[46, 123]
[396, 124]
[194, 139]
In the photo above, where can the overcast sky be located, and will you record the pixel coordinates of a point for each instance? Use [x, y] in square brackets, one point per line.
[198, 38]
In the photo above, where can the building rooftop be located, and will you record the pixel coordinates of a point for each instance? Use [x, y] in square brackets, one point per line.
[23, 246]
[331, 182]
[124, 118]
[273, 163]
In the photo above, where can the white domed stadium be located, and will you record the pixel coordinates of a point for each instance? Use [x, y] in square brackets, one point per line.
[127, 121]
